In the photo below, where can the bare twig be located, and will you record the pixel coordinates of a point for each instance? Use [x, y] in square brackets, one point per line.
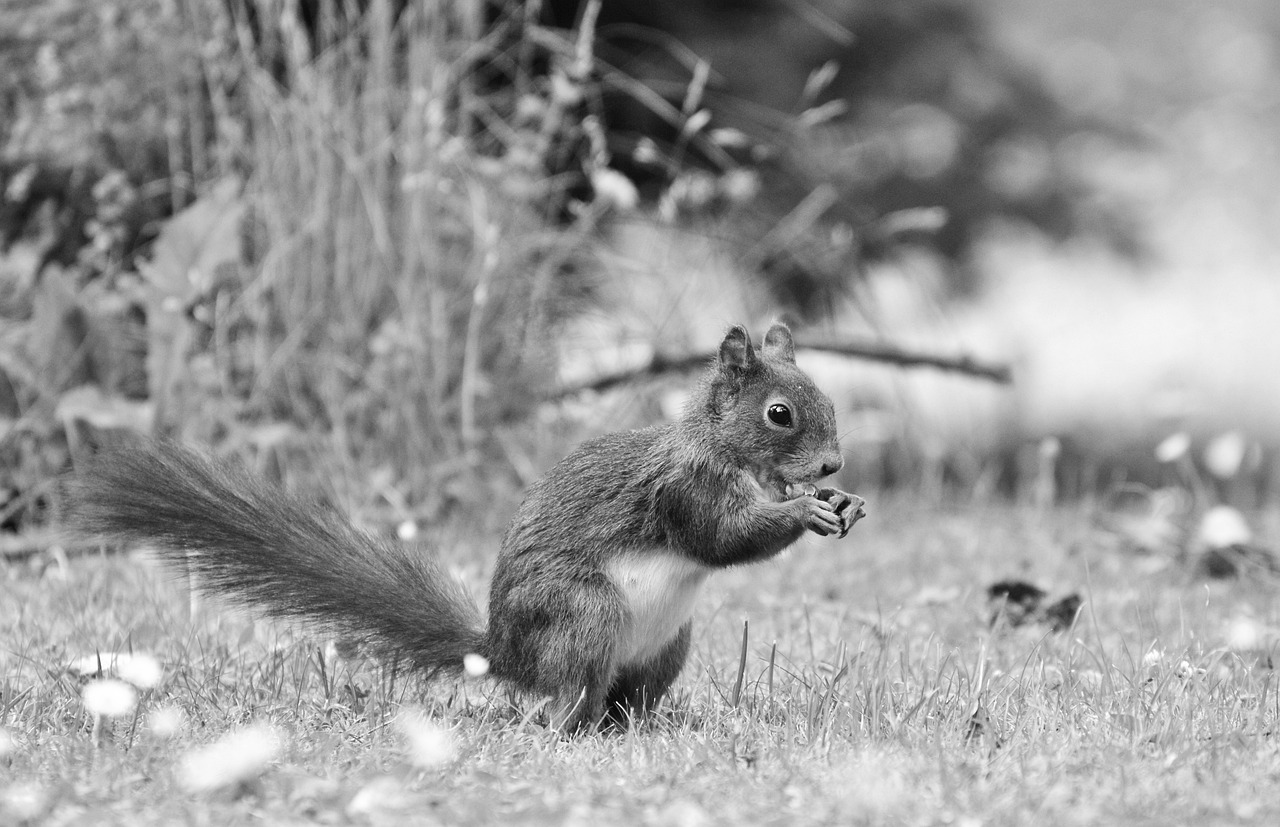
[871, 350]
[18, 547]
[657, 366]
[904, 357]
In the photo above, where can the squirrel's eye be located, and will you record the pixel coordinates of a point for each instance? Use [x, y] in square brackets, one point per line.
[779, 415]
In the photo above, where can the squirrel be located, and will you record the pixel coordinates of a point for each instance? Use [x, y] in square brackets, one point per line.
[594, 585]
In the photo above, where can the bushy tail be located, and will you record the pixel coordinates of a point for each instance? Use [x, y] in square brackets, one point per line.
[270, 550]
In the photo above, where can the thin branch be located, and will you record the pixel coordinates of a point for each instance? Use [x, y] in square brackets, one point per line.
[873, 351]
[15, 548]
[892, 354]
[657, 366]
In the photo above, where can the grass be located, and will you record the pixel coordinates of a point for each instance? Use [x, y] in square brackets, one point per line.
[875, 690]
[872, 687]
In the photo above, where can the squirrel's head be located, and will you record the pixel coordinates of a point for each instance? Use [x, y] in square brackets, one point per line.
[769, 413]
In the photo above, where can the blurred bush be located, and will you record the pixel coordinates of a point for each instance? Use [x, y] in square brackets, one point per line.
[870, 125]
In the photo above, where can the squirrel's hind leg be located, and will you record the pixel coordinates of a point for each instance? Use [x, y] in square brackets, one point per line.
[575, 660]
[638, 687]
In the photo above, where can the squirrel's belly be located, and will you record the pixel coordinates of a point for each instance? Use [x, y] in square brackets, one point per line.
[660, 588]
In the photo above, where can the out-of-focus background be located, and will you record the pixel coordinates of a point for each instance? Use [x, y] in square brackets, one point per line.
[364, 245]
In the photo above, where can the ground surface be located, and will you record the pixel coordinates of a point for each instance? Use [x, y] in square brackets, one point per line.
[890, 700]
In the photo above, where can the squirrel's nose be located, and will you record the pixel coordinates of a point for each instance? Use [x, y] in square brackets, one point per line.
[832, 464]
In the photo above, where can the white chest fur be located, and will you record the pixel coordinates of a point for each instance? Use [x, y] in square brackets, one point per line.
[659, 588]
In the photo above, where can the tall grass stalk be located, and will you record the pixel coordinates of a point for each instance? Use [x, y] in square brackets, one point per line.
[404, 280]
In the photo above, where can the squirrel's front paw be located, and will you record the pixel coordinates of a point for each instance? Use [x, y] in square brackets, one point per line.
[818, 516]
[848, 507]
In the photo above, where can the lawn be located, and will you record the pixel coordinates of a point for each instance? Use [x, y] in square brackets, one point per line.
[366, 276]
[876, 690]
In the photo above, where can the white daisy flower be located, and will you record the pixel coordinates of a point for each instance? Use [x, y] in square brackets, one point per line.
[239, 756]
[475, 665]
[429, 744]
[615, 189]
[109, 698]
[166, 721]
[1173, 447]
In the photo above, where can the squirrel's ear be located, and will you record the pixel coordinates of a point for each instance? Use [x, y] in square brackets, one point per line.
[779, 345]
[736, 352]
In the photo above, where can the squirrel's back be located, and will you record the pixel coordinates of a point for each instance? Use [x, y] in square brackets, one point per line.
[596, 494]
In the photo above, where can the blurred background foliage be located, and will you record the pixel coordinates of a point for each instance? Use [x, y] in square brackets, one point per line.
[346, 239]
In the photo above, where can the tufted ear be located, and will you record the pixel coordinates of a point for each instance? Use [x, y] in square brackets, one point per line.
[779, 345]
[736, 351]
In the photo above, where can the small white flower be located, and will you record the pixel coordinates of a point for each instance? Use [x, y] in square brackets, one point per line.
[1152, 658]
[1224, 454]
[407, 530]
[166, 721]
[475, 665]
[730, 138]
[429, 744]
[1185, 670]
[109, 698]
[383, 796]
[563, 90]
[20, 183]
[1174, 447]
[646, 151]
[237, 757]
[692, 190]
[740, 185]
[695, 122]
[1223, 526]
[24, 802]
[614, 188]
[1244, 634]
[934, 595]
[679, 813]
[141, 670]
